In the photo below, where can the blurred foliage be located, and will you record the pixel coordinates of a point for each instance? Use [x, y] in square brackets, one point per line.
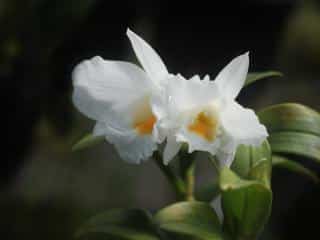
[21, 220]
[183, 220]
[293, 129]
[52, 190]
[302, 39]
[32, 32]
[35, 86]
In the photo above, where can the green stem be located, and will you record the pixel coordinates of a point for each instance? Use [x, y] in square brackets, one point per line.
[215, 164]
[187, 167]
[177, 183]
[189, 180]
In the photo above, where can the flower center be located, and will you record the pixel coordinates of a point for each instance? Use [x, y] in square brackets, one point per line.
[205, 126]
[146, 126]
[143, 118]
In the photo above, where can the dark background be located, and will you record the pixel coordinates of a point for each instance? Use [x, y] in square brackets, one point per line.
[46, 191]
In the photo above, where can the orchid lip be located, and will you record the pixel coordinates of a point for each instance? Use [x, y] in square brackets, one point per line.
[145, 127]
[143, 118]
[205, 125]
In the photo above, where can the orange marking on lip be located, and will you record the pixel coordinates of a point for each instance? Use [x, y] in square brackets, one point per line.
[146, 126]
[204, 126]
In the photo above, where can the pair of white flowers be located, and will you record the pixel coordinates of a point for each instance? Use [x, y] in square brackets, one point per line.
[138, 109]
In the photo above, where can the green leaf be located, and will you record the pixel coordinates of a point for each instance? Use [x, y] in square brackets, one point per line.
[242, 161]
[290, 117]
[193, 219]
[297, 143]
[253, 163]
[247, 200]
[134, 224]
[261, 171]
[246, 205]
[87, 141]
[294, 129]
[283, 162]
[255, 76]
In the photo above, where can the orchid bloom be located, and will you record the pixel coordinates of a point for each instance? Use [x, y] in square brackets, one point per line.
[205, 115]
[119, 95]
[136, 109]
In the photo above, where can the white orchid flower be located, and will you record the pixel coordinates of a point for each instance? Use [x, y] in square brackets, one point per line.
[205, 115]
[118, 95]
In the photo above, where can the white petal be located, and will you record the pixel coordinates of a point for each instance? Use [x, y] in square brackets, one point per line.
[99, 129]
[206, 78]
[216, 204]
[188, 94]
[187, 99]
[171, 149]
[100, 84]
[148, 57]
[160, 131]
[92, 107]
[195, 142]
[232, 78]
[159, 104]
[119, 129]
[200, 141]
[131, 147]
[242, 125]
[226, 158]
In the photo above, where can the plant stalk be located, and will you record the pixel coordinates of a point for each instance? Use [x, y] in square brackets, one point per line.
[176, 182]
[215, 164]
[187, 168]
[189, 180]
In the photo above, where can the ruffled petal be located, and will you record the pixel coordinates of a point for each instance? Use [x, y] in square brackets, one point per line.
[186, 95]
[197, 143]
[188, 99]
[131, 147]
[242, 125]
